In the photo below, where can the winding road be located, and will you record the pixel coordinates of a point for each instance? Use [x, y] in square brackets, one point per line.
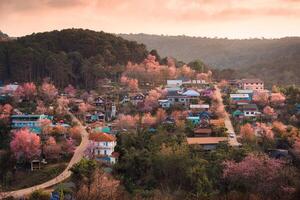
[78, 154]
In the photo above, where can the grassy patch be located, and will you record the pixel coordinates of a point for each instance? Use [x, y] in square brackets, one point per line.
[24, 179]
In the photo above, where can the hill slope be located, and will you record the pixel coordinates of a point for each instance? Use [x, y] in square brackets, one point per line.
[76, 56]
[3, 36]
[275, 60]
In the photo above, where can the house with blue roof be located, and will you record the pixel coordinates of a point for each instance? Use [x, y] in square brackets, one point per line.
[28, 121]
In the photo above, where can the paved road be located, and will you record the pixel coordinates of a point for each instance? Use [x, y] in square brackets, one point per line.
[230, 130]
[78, 154]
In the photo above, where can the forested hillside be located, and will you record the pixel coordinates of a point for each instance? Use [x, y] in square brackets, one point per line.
[3, 36]
[274, 60]
[75, 56]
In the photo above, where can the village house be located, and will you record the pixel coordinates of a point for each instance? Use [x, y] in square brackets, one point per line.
[174, 83]
[164, 103]
[202, 132]
[206, 143]
[199, 107]
[32, 122]
[249, 92]
[102, 147]
[240, 99]
[251, 84]
[177, 98]
[94, 117]
[250, 110]
[137, 98]
[99, 101]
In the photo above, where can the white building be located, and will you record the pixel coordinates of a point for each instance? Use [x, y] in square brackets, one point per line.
[174, 83]
[103, 146]
[164, 103]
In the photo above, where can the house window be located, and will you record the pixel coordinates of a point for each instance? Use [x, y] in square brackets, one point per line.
[252, 113]
[247, 113]
[176, 99]
[105, 152]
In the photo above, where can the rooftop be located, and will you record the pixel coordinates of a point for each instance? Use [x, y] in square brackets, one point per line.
[102, 137]
[254, 80]
[206, 140]
[250, 107]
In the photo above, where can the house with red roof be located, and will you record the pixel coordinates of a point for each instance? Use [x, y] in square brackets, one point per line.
[102, 146]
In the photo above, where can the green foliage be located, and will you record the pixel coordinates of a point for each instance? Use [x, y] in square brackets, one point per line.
[164, 160]
[198, 66]
[83, 170]
[39, 194]
[71, 56]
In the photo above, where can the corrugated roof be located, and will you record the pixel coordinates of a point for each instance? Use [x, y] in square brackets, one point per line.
[206, 140]
[102, 137]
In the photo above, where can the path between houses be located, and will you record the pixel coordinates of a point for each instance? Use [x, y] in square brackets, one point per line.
[78, 154]
[230, 130]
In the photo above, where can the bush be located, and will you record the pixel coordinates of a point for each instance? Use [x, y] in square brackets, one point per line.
[39, 194]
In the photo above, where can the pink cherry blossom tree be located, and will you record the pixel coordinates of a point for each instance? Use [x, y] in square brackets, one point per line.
[247, 132]
[259, 174]
[160, 115]
[30, 90]
[25, 145]
[70, 91]
[265, 131]
[127, 121]
[49, 91]
[51, 150]
[68, 146]
[148, 120]
[41, 108]
[279, 128]
[270, 112]
[261, 98]
[277, 99]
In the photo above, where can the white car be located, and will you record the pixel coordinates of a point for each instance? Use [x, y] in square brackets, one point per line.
[231, 135]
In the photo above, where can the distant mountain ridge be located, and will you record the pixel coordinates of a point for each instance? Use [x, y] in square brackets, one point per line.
[275, 60]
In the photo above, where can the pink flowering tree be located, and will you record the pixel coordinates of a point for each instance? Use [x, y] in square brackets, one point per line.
[127, 121]
[70, 91]
[259, 174]
[51, 150]
[25, 145]
[247, 133]
[160, 115]
[261, 98]
[269, 112]
[151, 101]
[48, 91]
[30, 90]
[277, 99]
[148, 120]
[63, 103]
[265, 131]
[41, 108]
[69, 146]
[280, 129]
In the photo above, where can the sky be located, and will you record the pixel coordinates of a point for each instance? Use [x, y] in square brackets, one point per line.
[209, 18]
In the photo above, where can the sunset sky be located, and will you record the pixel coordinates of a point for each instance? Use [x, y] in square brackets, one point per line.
[211, 18]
